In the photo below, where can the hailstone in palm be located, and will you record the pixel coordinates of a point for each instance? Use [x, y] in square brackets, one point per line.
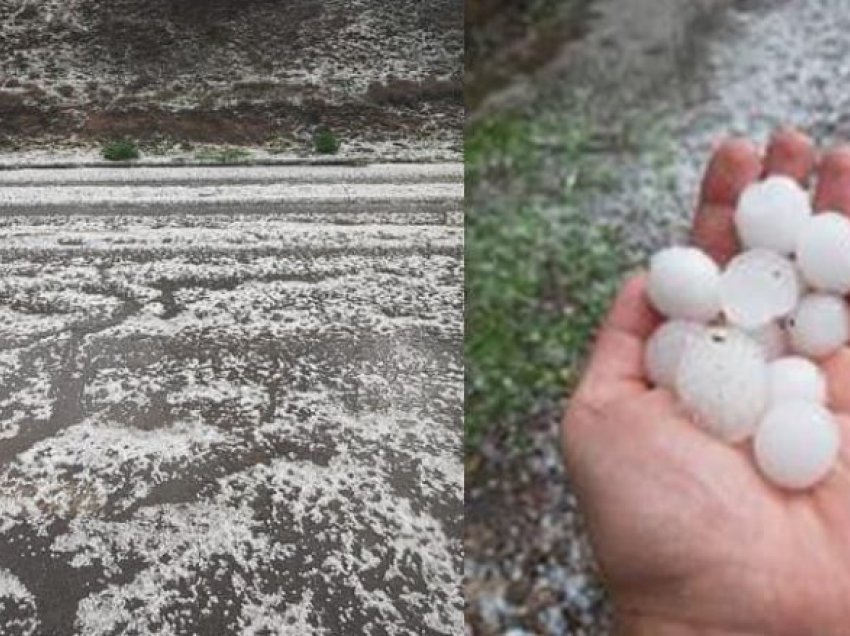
[684, 284]
[823, 252]
[772, 339]
[664, 350]
[796, 444]
[738, 345]
[722, 381]
[771, 213]
[758, 286]
[796, 378]
[819, 326]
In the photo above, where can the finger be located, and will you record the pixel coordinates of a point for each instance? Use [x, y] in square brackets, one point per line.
[831, 493]
[836, 368]
[833, 188]
[790, 153]
[631, 312]
[616, 364]
[734, 166]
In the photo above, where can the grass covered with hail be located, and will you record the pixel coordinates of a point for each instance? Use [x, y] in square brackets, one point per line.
[539, 271]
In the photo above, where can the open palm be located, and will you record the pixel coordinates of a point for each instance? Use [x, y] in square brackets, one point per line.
[689, 536]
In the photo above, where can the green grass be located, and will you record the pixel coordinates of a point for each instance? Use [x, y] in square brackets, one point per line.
[325, 142]
[504, 142]
[120, 150]
[539, 273]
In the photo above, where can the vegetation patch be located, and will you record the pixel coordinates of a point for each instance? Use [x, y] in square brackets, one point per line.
[223, 155]
[540, 272]
[325, 142]
[120, 150]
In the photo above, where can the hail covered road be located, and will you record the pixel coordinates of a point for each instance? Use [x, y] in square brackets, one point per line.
[231, 401]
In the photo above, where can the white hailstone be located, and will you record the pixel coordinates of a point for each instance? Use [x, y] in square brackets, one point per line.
[757, 287]
[823, 252]
[771, 213]
[796, 378]
[722, 381]
[664, 350]
[683, 283]
[796, 444]
[772, 339]
[819, 326]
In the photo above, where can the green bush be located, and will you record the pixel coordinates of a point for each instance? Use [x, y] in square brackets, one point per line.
[325, 142]
[120, 150]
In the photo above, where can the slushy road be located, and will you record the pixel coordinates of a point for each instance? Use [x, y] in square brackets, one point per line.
[231, 401]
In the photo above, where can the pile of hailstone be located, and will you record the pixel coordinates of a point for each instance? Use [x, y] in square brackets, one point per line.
[740, 345]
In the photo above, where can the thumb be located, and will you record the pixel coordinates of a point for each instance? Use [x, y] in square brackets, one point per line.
[616, 363]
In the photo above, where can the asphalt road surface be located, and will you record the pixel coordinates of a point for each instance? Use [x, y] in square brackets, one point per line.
[231, 401]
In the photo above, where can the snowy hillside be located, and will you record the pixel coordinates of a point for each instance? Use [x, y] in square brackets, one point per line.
[228, 71]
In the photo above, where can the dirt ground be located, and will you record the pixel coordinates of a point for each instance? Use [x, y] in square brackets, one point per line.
[506, 38]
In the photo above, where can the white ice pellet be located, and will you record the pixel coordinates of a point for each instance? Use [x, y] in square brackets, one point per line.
[771, 213]
[757, 287]
[796, 444]
[796, 378]
[772, 339]
[722, 381]
[823, 252]
[683, 283]
[819, 326]
[664, 350]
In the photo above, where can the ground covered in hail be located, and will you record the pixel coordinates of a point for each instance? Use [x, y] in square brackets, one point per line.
[216, 424]
[165, 73]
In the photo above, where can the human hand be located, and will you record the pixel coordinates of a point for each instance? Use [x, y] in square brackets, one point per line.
[689, 537]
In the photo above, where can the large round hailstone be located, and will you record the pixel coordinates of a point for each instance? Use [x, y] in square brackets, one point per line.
[683, 284]
[757, 287]
[664, 350]
[796, 444]
[796, 378]
[771, 213]
[772, 339]
[819, 326]
[823, 252]
[722, 381]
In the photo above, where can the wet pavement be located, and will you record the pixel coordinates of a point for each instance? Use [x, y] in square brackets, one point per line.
[231, 418]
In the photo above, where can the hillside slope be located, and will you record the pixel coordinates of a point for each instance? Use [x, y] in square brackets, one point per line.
[231, 71]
